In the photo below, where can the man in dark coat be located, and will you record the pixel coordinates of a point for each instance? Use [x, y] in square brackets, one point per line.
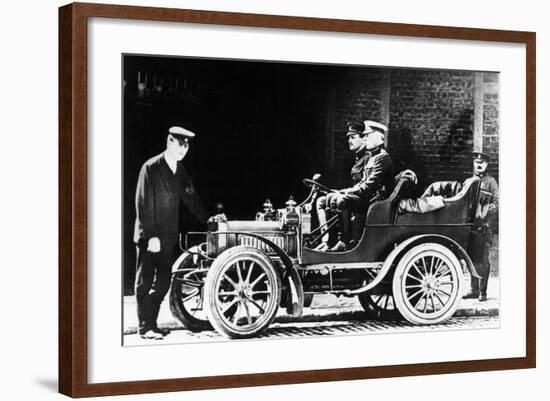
[377, 180]
[356, 143]
[162, 184]
[485, 224]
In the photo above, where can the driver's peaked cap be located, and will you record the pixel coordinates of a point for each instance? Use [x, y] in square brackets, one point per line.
[181, 133]
[354, 128]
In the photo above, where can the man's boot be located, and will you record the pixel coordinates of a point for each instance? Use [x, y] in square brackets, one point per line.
[474, 289]
[483, 281]
[340, 246]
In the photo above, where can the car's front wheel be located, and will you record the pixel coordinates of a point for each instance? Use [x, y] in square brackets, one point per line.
[186, 295]
[243, 292]
[427, 285]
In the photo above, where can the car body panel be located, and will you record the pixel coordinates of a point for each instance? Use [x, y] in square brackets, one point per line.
[379, 240]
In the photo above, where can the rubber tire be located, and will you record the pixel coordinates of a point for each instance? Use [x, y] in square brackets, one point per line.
[374, 311]
[398, 295]
[178, 309]
[226, 258]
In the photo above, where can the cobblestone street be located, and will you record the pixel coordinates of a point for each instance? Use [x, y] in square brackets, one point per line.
[327, 316]
[296, 329]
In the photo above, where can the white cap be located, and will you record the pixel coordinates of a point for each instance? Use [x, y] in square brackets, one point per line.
[181, 131]
[371, 126]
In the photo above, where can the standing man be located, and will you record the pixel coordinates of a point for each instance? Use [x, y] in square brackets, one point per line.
[356, 143]
[485, 223]
[163, 184]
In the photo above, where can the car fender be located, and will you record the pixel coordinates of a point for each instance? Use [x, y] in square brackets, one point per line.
[193, 251]
[295, 304]
[296, 293]
[288, 274]
[400, 249]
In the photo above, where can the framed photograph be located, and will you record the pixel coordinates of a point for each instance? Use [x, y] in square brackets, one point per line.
[250, 199]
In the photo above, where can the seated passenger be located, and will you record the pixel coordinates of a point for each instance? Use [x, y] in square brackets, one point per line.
[377, 179]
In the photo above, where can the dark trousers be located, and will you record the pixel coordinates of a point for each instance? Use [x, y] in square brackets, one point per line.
[480, 243]
[152, 282]
[351, 209]
[354, 210]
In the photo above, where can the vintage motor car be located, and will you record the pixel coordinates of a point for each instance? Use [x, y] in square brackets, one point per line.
[405, 263]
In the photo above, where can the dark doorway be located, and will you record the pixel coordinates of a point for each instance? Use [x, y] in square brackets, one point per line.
[260, 127]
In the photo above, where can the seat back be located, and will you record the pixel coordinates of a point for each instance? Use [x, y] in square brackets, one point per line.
[383, 211]
[470, 195]
[459, 209]
[446, 189]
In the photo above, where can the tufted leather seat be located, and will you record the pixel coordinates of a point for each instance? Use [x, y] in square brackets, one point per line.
[446, 189]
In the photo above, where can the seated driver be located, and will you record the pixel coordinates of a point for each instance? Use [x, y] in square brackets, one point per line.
[377, 178]
[377, 181]
[356, 143]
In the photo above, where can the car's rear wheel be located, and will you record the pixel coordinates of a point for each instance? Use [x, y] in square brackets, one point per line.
[243, 292]
[186, 295]
[427, 285]
[380, 306]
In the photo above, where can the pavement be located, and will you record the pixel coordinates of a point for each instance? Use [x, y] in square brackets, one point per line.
[327, 308]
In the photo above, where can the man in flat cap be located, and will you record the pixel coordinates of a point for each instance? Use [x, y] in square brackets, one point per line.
[485, 223]
[163, 184]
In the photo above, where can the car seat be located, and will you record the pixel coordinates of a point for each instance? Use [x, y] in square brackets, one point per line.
[383, 211]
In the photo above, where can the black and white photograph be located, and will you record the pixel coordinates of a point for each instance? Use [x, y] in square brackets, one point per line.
[266, 199]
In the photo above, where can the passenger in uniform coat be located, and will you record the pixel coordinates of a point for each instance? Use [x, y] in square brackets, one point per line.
[377, 181]
[163, 187]
[485, 225]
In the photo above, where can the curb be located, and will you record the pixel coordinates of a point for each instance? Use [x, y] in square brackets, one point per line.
[358, 315]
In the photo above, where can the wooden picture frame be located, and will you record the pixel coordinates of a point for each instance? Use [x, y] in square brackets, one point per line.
[73, 198]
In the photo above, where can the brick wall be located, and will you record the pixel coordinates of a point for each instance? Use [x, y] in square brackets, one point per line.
[431, 122]
[491, 120]
[431, 119]
[358, 97]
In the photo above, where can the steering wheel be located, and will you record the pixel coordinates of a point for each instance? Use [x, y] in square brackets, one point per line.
[308, 182]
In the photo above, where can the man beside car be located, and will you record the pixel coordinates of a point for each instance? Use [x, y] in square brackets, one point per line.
[485, 225]
[163, 184]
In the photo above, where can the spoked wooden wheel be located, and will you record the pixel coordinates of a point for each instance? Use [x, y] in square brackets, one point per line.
[381, 306]
[243, 292]
[186, 295]
[427, 285]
